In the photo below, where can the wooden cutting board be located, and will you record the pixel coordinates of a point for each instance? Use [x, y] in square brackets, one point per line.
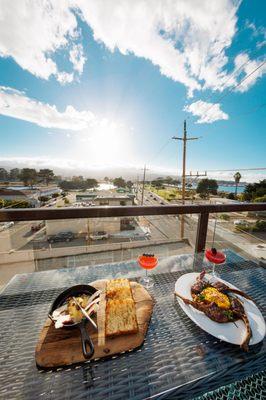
[60, 347]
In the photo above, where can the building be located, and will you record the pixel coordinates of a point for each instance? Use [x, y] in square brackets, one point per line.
[26, 193]
[48, 190]
[106, 198]
[84, 226]
[17, 195]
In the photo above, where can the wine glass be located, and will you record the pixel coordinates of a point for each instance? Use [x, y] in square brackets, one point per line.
[147, 261]
[215, 257]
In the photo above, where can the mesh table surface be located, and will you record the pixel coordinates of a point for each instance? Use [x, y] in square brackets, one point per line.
[178, 360]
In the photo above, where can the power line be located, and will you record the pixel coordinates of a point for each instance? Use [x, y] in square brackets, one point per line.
[223, 96]
[161, 149]
[239, 69]
[235, 86]
[237, 169]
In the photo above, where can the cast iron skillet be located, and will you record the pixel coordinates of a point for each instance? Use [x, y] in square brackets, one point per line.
[61, 299]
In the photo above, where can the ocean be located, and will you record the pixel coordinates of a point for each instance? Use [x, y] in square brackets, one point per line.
[231, 189]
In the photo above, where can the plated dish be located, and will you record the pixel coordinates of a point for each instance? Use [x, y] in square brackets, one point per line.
[220, 309]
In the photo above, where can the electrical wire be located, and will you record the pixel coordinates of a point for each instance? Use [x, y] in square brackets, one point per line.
[235, 86]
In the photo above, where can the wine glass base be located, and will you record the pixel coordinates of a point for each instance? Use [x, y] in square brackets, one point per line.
[146, 282]
[215, 275]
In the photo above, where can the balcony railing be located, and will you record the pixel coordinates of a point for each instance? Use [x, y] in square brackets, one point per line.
[103, 212]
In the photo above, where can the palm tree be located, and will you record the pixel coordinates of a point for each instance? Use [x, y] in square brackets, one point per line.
[237, 177]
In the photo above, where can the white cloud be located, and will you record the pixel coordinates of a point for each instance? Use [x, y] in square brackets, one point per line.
[245, 67]
[77, 58]
[185, 39]
[16, 105]
[65, 77]
[32, 31]
[207, 112]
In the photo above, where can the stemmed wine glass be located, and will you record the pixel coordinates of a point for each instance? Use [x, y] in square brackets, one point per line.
[147, 261]
[214, 256]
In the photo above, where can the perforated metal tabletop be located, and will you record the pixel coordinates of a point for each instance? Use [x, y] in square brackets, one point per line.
[178, 360]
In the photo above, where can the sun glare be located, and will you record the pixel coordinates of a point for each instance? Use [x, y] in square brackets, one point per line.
[109, 143]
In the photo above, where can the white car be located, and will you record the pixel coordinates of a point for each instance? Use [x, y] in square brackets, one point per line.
[241, 222]
[100, 235]
[6, 225]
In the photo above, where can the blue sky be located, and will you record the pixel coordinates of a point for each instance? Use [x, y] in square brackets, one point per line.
[87, 86]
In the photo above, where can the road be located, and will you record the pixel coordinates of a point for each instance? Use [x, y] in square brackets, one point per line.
[168, 226]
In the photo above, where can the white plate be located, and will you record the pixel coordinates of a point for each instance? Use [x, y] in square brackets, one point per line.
[224, 331]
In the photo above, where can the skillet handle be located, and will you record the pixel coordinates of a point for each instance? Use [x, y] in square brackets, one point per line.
[86, 340]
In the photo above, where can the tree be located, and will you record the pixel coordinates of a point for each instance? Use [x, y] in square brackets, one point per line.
[106, 179]
[91, 183]
[119, 182]
[254, 190]
[43, 199]
[46, 175]
[14, 204]
[129, 184]
[207, 186]
[14, 174]
[77, 178]
[237, 178]
[78, 184]
[3, 174]
[176, 182]
[231, 196]
[168, 180]
[157, 183]
[28, 176]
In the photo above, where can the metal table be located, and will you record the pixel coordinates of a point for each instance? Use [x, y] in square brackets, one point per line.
[177, 361]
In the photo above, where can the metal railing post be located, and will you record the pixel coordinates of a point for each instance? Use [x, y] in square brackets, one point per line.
[202, 232]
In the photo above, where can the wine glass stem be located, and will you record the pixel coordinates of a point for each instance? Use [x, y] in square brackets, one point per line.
[213, 269]
[147, 275]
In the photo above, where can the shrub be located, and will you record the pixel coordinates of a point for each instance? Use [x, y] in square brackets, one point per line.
[260, 226]
[261, 199]
[225, 217]
[230, 196]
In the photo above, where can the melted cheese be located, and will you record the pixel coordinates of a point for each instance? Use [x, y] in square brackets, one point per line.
[213, 295]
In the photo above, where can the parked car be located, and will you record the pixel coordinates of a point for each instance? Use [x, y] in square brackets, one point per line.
[61, 237]
[241, 222]
[100, 235]
[6, 225]
[37, 227]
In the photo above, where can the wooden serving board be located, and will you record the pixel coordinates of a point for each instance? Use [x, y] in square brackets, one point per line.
[60, 347]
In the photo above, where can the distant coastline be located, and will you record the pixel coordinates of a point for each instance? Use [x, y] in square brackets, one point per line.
[231, 188]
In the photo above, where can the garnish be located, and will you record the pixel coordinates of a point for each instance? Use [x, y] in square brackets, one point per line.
[229, 314]
[201, 297]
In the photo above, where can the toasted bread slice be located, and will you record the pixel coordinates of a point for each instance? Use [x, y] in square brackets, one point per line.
[120, 317]
[118, 289]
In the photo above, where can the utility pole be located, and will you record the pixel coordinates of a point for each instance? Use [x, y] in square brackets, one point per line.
[184, 139]
[137, 184]
[143, 183]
